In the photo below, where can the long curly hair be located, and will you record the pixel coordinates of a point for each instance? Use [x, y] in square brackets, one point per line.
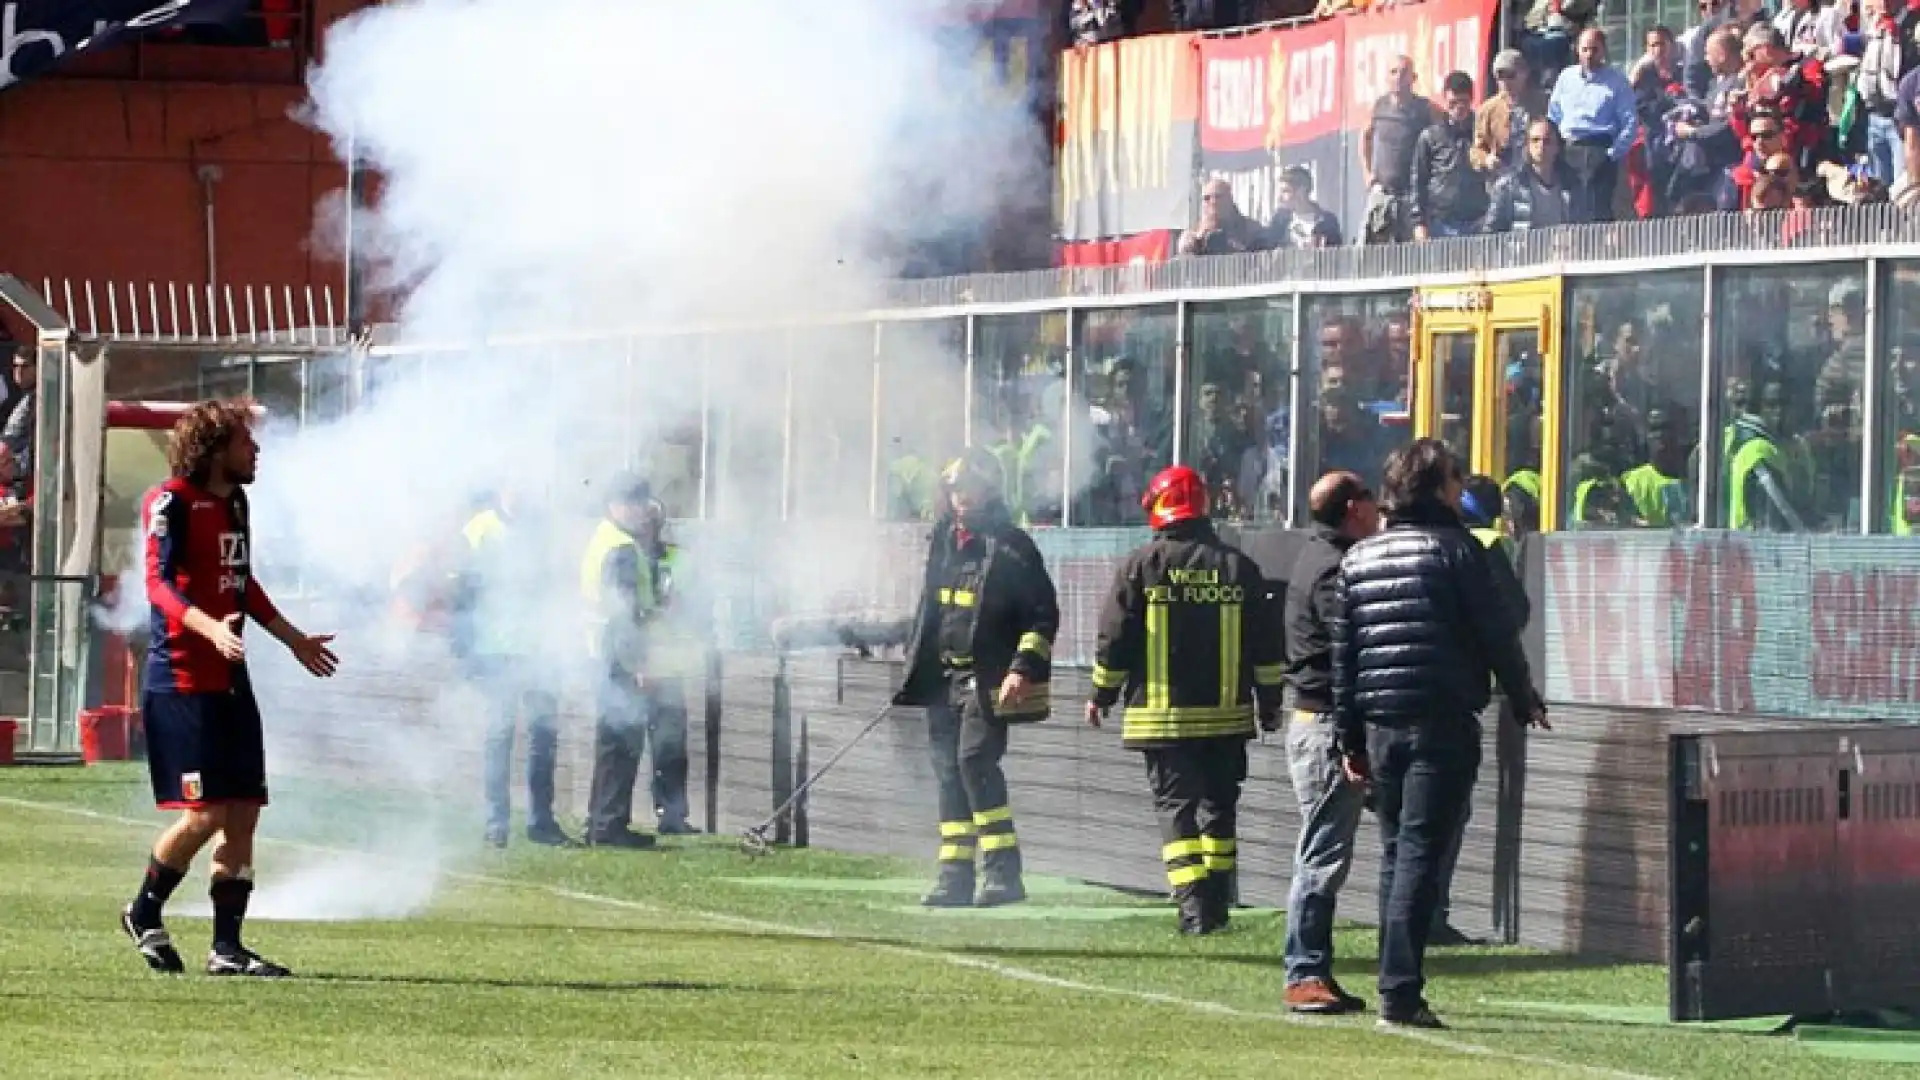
[204, 433]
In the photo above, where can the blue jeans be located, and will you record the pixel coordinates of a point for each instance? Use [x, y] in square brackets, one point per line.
[1886, 149]
[509, 697]
[1422, 780]
[1329, 818]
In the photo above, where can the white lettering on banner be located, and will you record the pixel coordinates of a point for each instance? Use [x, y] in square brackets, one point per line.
[1370, 68]
[1456, 47]
[13, 39]
[1313, 82]
[1255, 191]
[1236, 95]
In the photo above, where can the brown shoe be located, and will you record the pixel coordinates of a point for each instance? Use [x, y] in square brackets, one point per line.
[1317, 997]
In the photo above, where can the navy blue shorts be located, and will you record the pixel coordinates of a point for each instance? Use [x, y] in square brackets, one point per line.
[205, 749]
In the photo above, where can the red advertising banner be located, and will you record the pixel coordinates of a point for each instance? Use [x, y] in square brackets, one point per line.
[1303, 96]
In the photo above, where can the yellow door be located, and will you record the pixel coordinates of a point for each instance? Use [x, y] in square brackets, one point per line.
[1486, 377]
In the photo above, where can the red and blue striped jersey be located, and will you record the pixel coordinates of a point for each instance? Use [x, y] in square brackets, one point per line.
[199, 549]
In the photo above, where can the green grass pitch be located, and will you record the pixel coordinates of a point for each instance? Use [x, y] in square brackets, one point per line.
[699, 962]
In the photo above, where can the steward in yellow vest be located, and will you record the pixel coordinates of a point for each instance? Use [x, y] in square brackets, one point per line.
[617, 584]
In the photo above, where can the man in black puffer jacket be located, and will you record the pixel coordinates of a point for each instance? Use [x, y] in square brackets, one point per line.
[1417, 626]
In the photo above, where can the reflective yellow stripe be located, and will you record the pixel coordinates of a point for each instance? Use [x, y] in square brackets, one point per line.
[1219, 864]
[1182, 849]
[956, 852]
[1218, 845]
[956, 828]
[1229, 654]
[1156, 657]
[946, 596]
[962, 598]
[1186, 722]
[1186, 875]
[1038, 699]
[999, 842]
[983, 818]
[1106, 678]
[1269, 674]
[1037, 644]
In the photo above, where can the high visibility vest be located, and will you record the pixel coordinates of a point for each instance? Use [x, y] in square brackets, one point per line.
[607, 538]
[1903, 473]
[1655, 494]
[915, 486]
[673, 650]
[1752, 454]
[1580, 496]
[1494, 540]
[499, 629]
[1526, 480]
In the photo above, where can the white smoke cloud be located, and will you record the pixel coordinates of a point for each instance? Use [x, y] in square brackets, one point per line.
[577, 168]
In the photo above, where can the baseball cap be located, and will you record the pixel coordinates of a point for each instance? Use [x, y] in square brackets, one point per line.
[1508, 62]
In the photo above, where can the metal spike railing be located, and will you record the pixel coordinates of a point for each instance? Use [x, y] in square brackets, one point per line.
[286, 315]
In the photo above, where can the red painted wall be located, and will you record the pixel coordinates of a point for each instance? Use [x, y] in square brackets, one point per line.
[98, 167]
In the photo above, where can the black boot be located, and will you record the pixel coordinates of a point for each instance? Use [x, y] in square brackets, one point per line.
[1216, 907]
[953, 888]
[1194, 907]
[1002, 884]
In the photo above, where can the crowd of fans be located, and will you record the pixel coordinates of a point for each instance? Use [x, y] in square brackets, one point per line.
[1812, 106]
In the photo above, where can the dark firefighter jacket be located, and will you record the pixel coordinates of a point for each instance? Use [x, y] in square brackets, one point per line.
[1187, 631]
[1013, 612]
[1418, 624]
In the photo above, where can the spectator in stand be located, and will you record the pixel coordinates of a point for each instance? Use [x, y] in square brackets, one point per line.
[1593, 106]
[1449, 194]
[1222, 229]
[1533, 195]
[1715, 15]
[1550, 25]
[1791, 88]
[1500, 126]
[1878, 82]
[1300, 222]
[1703, 146]
[22, 407]
[1906, 115]
[1773, 184]
[1094, 22]
[1657, 86]
[1386, 155]
[1811, 31]
[1204, 14]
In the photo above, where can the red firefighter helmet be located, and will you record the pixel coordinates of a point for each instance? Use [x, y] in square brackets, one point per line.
[1177, 494]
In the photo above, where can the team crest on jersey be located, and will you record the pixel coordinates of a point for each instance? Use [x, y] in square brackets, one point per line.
[157, 515]
[190, 789]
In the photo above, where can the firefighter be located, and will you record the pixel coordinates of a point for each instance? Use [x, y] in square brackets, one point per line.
[618, 584]
[979, 658]
[1192, 718]
[676, 654]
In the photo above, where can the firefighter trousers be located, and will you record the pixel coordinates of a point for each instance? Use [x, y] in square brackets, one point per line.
[1196, 795]
[967, 742]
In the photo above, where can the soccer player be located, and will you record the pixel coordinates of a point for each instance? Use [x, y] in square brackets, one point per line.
[204, 742]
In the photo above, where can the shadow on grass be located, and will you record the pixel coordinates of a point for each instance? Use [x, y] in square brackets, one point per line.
[582, 986]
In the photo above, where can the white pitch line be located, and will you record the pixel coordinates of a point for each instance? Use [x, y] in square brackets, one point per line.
[991, 967]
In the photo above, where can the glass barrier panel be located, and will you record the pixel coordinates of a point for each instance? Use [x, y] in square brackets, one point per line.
[923, 377]
[1633, 409]
[1239, 391]
[1020, 365]
[1791, 346]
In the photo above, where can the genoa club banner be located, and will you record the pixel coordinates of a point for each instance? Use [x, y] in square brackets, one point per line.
[37, 34]
[1303, 96]
[1129, 118]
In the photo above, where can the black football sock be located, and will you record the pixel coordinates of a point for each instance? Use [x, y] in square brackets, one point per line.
[229, 897]
[155, 887]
